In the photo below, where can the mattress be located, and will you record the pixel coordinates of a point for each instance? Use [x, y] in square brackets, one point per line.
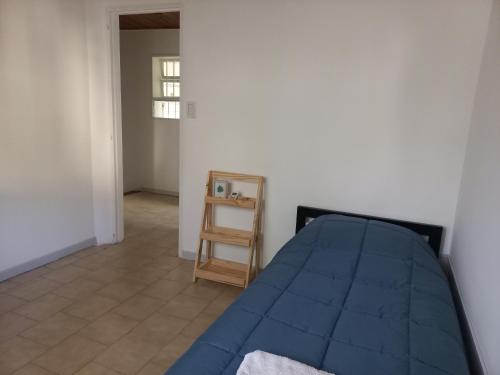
[346, 295]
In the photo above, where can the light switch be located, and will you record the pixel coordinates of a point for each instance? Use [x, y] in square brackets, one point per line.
[191, 109]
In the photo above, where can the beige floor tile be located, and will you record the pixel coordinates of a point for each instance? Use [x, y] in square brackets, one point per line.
[165, 230]
[115, 251]
[65, 274]
[79, 288]
[92, 262]
[17, 352]
[105, 275]
[90, 251]
[127, 356]
[29, 276]
[204, 289]
[30, 369]
[8, 303]
[70, 355]
[232, 291]
[199, 325]
[94, 368]
[34, 289]
[7, 285]
[146, 274]
[91, 307]
[167, 263]
[158, 329]
[164, 235]
[12, 324]
[170, 353]
[173, 252]
[109, 328]
[129, 245]
[131, 262]
[43, 307]
[152, 369]
[149, 251]
[139, 307]
[63, 262]
[55, 329]
[132, 242]
[168, 245]
[188, 265]
[184, 306]
[220, 304]
[121, 289]
[165, 289]
[180, 274]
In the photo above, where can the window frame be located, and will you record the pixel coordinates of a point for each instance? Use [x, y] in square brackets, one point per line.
[161, 80]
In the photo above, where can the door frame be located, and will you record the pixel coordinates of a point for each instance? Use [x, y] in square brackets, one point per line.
[113, 17]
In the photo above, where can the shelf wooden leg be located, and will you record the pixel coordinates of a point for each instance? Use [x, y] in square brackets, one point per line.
[210, 250]
[197, 260]
[258, 255]
[250, 263]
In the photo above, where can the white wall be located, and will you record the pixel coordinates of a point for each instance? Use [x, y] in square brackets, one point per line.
[475, 256]
[352, 105]
[150, 146]
[45, 184]
[368, 103]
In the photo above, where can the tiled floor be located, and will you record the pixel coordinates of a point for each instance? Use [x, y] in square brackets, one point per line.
[129, 308]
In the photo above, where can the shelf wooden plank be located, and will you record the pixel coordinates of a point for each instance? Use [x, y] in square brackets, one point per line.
[236, 176]
[223, 271]
[227, 235]
[240, 202]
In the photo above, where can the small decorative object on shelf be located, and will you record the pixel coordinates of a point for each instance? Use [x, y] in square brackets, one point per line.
[220, 188]
[221, 270]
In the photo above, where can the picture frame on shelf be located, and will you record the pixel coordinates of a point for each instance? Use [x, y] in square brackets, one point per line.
[221, 189]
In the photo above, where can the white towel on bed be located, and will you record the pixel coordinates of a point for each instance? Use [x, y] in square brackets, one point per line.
[262, 363]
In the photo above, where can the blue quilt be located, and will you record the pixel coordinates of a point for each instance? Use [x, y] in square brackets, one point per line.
[346, 295]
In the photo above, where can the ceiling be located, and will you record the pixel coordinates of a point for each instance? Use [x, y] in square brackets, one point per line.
[169, 20]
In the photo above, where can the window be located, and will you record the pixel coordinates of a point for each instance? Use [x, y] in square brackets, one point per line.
[166, 87]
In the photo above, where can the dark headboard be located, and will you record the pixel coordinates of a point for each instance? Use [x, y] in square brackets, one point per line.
[432, 233]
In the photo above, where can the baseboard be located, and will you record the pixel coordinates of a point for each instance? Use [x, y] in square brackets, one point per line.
[476, 366]
[43, 260]
[188, 255]
[131, 192]
[160, 191]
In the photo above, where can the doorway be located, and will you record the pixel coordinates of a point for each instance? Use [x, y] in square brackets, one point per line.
[150, 125]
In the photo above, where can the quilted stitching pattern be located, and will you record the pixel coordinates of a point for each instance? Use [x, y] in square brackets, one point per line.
[345, 295]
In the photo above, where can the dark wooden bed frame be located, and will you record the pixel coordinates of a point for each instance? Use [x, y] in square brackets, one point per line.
[433, 234]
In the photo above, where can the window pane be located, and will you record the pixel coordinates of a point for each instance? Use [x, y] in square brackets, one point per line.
[177, 72]
[171, 89]
[157, 109]
[170, 68]
[164, 109]
[171, 110]
[164, 68]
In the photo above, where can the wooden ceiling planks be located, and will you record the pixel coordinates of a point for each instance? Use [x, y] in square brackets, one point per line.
[167, 20]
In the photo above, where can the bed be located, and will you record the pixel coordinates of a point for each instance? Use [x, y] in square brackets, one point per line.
[349, 294]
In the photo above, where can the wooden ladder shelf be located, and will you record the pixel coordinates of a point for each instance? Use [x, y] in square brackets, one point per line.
[224, 271]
